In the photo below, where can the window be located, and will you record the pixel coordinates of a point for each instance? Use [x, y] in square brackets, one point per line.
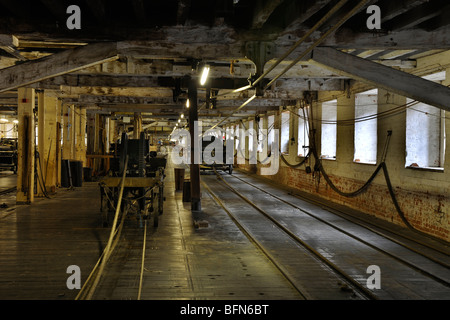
[303, 133]
[236, 137]
[270, 131]
[366, 107]
[425, 147]
[284, 142]
[329, 129]
[250, 135]
[261, 136]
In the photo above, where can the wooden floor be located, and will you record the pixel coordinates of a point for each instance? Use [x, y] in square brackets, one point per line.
[184, 259]
[189, 263]
[39, 242]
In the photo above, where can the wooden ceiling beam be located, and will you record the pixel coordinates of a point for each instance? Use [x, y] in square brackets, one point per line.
[414, 17]
[392, 9]
[384, 77]
[58, 64]
[263, 10]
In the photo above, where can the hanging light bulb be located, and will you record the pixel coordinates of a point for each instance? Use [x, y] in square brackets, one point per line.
[205, 74]
[187, 103]
[182, 116]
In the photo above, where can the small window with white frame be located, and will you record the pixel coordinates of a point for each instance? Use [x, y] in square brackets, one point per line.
[366, 108]
[425, 148]
[329, 130]
[251, 135]
[270, 132]
[261, 137]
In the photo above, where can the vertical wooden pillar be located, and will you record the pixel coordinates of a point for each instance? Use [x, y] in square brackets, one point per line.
[194, 167]
[75, 130]
[90, 133]
[137, 125]
[97, 142]
[90, 148]
[59, 123]
[112, 131]
[82, 136]
[68, 134]
[46, 165]
[26, 145]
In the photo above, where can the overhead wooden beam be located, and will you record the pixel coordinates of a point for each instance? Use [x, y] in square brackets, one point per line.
[152, 92]
[415, 17]
[346, 38]
[263, 11]
[7, 44]
[97, 99]
[312, 8]
[384, 77]
[98, 80]
[58, 64]
[392, 9]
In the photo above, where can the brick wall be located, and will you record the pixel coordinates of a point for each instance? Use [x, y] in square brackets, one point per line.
[424, 211]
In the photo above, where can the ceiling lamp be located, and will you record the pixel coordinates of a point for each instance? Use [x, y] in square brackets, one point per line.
[205, 74]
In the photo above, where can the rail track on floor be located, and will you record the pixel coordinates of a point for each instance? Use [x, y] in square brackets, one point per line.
[425, 262]
[311, 263]
[437, 254]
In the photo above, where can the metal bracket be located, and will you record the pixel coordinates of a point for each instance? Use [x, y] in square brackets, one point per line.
[259, 52]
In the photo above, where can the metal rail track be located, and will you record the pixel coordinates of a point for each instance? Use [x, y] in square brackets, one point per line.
[410, 265]
[356, 286]
[358, 222]
[9, 190]
[393, 256]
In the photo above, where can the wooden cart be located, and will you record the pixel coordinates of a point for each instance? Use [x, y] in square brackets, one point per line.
[141, 196]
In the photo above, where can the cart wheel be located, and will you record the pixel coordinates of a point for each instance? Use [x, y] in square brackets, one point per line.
[230, 169]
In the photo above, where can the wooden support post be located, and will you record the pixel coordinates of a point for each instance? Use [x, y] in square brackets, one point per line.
[112, 131]
[59, 131]
[26, 146]
[99, 143]
[194, 167]
[137, 125]
[67, 145]
[82, 136]
[90, 133]
[75, 129]
[46, 162]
